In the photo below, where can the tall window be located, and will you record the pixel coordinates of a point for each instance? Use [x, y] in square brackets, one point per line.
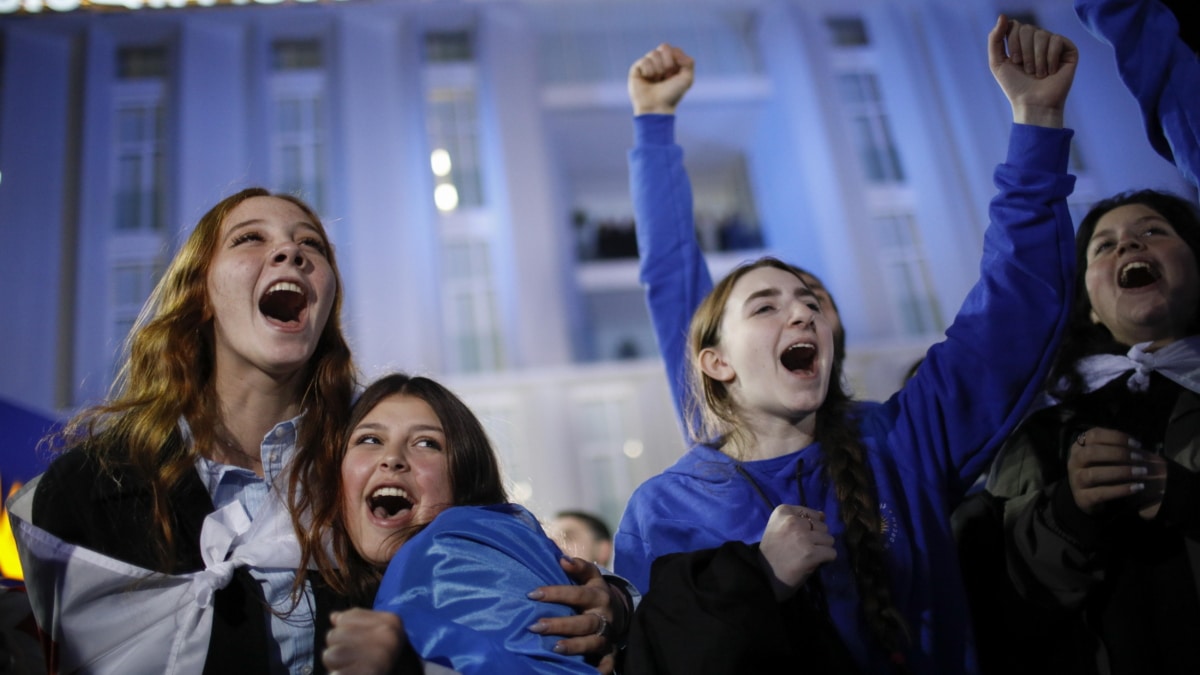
[453, 134]
[139, 96]
[132, 280]
[869, 127]
[298, 126]
[452, 120]
[890, 202]
[906, 274]
[136, 246]
[470, 319]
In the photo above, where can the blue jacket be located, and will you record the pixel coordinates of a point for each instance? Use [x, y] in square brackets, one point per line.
[460, 585]
[1158, 68]
[926, 445]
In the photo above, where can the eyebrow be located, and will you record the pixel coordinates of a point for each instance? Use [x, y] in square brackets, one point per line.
[801, 292]
[420, 427]
[1148, 217]
[259, 221]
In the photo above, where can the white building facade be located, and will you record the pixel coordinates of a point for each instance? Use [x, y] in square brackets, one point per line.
[468, 159]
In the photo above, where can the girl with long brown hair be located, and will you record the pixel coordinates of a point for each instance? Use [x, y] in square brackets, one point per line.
[866, 492]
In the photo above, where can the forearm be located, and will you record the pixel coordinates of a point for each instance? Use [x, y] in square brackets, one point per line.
[672, 266]
[973, 388]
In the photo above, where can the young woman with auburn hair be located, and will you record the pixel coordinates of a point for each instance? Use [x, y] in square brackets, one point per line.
[235, 381]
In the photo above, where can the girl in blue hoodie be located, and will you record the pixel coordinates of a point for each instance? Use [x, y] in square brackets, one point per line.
[866, 492]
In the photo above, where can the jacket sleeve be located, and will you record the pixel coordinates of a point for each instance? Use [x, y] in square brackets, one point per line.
[1158, 68]
[673, 271]
[1055, 551]
[974, 387]
[460, 588]
[713, 611]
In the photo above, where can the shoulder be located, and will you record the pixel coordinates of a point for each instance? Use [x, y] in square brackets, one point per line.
[701, 462]
[481, 531]
[469, 519]
[684, 493]
[482, 541]
[79, 472]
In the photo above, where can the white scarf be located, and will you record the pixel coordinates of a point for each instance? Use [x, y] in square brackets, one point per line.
[107, 616]
[1178, 362]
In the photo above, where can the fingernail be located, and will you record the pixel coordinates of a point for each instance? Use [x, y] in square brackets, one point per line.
[538, 627]
[1135, 443]
[535, 594]
[1137, 456]
[1137, 487]
[559, 648]
[1140, 471]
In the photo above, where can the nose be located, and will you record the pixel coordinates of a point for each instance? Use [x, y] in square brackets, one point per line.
[288, 253]
[392, 461]
[1130, 243]
[801, 313]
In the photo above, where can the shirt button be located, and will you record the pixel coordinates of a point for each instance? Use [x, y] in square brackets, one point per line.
[280, 432]
[273, 457]
[306, 670]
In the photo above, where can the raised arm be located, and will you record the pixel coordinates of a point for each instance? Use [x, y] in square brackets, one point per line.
[673, 271]
[974, 387]
[1158, 68]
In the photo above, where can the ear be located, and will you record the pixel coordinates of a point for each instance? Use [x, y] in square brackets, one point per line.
[1094, 316]
[714, 365]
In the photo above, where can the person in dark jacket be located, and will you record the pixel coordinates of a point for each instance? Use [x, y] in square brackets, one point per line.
[1101, 487]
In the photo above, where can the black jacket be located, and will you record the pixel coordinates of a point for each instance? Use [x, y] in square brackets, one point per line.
[112, 515]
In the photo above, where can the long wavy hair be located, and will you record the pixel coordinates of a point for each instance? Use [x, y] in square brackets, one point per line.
[166, 374]
[472, 465]
[1084, 336]
[716, 420]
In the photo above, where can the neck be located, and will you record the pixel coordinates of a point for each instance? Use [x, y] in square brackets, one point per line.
[763, 436]
[248, 410]
[1158, 344]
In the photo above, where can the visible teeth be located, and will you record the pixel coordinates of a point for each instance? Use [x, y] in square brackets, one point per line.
[284, 286]
[388, 502]
[1137, 274]
[794, 361]
[389, 491]
[1134, 266]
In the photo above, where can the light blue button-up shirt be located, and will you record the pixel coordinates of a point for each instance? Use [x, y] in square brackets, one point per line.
[291, 629]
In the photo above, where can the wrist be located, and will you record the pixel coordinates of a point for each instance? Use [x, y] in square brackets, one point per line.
[779, 588]
[653, 109]
[1038, 116]
[622, 607]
